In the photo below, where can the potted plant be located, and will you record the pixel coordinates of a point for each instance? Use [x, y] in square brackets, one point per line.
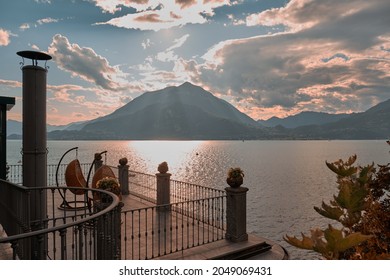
[109, 184]
[235, 177]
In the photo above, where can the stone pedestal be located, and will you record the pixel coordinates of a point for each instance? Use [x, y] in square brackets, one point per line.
[163, 190]
[108, 232]
[123, 177]
[236, 214]
[98, 164]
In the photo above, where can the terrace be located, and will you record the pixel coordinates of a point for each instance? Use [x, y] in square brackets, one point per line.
[157, 218]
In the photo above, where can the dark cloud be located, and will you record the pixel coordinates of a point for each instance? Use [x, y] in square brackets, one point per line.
[185, 3]
[149, 18]
[330, 56]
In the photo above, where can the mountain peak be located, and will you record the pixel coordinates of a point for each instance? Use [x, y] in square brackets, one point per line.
[187, 84]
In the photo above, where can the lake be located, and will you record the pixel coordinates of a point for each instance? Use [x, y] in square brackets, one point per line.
[286, 179]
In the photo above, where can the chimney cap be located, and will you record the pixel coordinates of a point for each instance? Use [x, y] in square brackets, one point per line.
[34, 55]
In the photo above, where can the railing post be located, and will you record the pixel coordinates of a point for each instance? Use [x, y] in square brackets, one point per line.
[117, 231]
[98, 161]
[123, 176]
[236, 214]
[163, 186]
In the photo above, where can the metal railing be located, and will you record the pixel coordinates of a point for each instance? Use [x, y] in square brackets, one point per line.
[156, 231]
[38, 229]
[183, 191]
[15, 174]
[195, 216]
[143, 185]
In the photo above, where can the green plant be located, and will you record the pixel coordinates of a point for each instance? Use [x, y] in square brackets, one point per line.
[235, 177]
[362, 207]
[109, 184]
[235, 172]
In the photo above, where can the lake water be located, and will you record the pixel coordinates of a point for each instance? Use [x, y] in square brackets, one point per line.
[286, 179]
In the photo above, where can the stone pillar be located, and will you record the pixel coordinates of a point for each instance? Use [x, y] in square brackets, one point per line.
[236, 214]
[98, 161]
[108, 232]
[163, 186]
[123, 176]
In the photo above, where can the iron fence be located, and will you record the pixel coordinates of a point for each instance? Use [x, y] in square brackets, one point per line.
[38, 229]
[195, 216]
[159, 230]
[143, 185]
[15, 173]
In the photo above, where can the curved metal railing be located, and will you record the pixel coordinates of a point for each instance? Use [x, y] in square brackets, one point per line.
[38, 229]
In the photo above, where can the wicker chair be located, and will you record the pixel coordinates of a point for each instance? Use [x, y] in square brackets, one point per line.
[102, 172]
[74, 177]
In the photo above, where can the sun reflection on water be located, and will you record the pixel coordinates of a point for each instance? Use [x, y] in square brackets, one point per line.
[149, 154]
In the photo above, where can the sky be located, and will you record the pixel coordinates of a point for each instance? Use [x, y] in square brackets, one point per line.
[266, 57]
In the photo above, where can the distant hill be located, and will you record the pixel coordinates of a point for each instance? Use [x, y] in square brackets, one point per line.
[302, 119]
[14, 128]
[189, 112]
[183, 112]
[371, 124]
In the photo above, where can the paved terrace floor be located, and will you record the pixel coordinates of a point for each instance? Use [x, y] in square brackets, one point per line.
[254, 248]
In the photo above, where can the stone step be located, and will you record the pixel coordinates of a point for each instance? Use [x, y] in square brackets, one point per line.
[245, 253]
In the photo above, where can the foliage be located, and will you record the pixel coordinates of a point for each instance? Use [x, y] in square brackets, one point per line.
[109, 184]
[362, 207]
[235, 172]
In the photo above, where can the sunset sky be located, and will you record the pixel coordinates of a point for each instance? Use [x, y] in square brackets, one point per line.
[266, 57]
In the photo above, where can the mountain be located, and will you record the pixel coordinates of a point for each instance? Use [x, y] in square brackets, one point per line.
[14, 128]
[183, 112]
[189, 112]
[371, 124]
[302, 119]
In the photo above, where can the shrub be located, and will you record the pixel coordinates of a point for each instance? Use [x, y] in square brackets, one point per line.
[362, 207]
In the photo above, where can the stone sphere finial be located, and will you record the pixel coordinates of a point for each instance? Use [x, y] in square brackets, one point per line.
[98, 156]
[123, 161]
[163, 167]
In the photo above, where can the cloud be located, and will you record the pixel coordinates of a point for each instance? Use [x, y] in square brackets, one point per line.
[24, 26]
[156, 15]
[84, 63]
[4, 37]
[10, 83]
[168, 54]
[47, 20]
[112, 6]
[331, 56]
[146, 44]
[42, 21]
[185, 3]
[68, 101]
[43, 1]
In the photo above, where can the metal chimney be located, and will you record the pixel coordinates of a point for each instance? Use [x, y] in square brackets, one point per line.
[34, 133]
